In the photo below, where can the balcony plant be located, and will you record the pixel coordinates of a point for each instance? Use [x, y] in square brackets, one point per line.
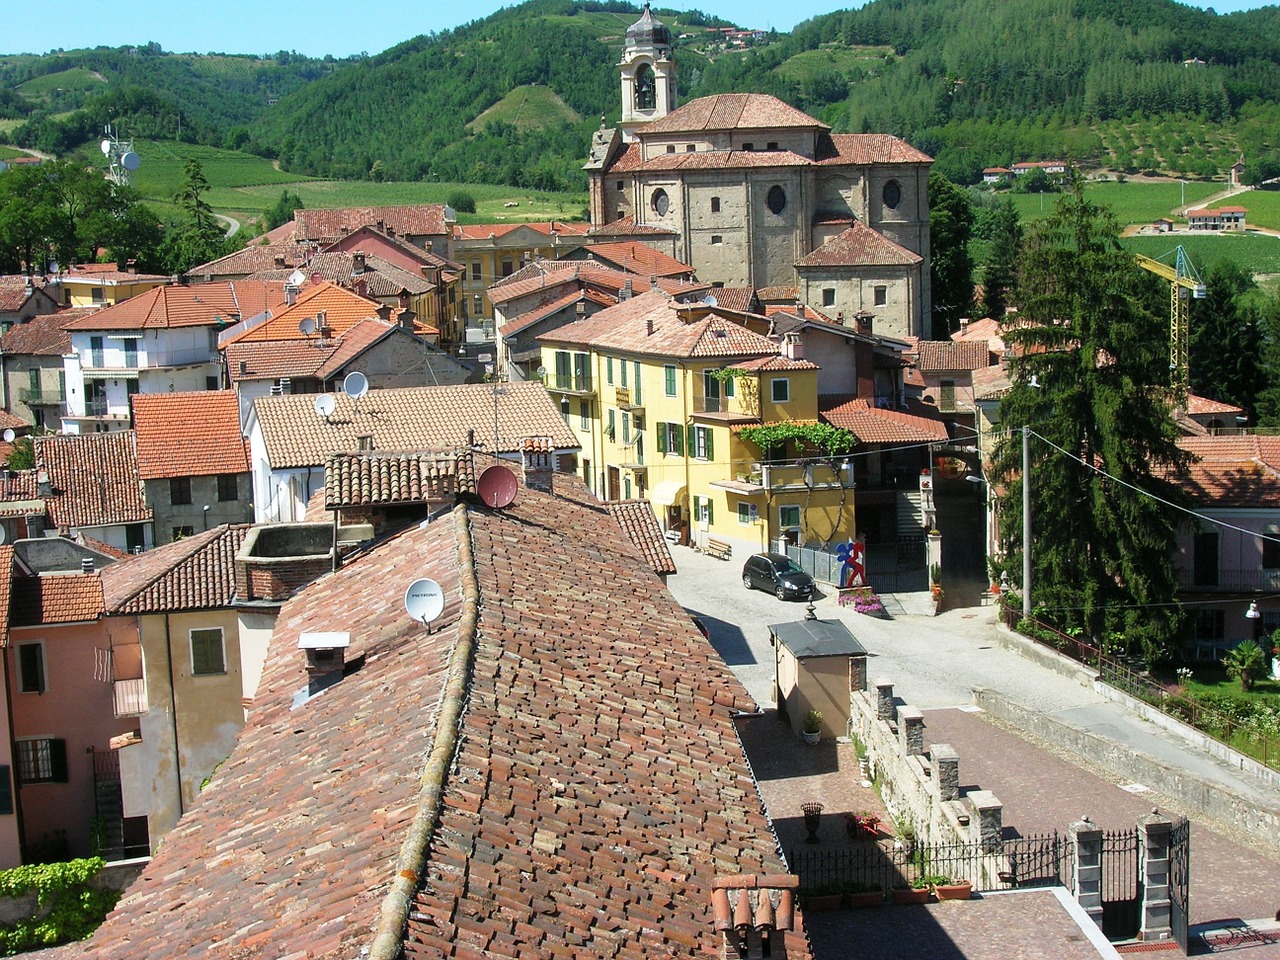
[811, 728]
[863, 895]
[944, 888]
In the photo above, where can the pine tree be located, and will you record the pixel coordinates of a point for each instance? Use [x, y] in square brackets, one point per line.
[950, 269]
[1090, 331]
[998, 272]
[1226, 340]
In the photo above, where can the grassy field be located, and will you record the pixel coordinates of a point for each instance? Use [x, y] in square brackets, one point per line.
[1263, 207]
[1132, 202]
[527, 107]
[7, 153]
[1256, 252]
[845, 60]
[75, 78]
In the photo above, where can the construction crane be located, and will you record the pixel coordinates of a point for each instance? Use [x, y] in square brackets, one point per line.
[1184, 286]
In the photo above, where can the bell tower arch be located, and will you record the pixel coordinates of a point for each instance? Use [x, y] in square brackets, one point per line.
[648, 74]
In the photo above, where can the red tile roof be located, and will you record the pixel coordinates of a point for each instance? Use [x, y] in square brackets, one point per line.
[991, 383]
[195, 573]
[94, 477]
[415, 220]
[733, 111]
[874, 425]
[859, 246]
[739, 299]
[272, 359]
[200, 305]
[547, 273]
[1237, 472]
[188, 434]
[108, 273]
[41, 336]
[342, 309]
[14, 293]
[778, 293]
[254, 258]
[380, 278]
[714, 160]
[654, 325]
[867, 148]
[1204, 406]
[627, 226]
[411, 418]
[639, 258]
[352, 345]
[775, 364]
[374, 479]
[640, 524]
[485, 231]
[952, 355]
[58, 598]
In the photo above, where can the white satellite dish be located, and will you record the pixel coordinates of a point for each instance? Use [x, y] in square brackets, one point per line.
[424, 600]
[710, 300]
[325, 405]
[106, 147]
[3, 537]
[307, 326]
[297, 278]
[9, 435]
[131, 161]
[355, 385]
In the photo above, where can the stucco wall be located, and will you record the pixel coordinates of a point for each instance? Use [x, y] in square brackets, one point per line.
[204, 492]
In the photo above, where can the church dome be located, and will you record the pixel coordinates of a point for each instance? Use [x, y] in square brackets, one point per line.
[648, 31]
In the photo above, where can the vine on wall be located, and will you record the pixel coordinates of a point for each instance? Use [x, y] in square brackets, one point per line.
[820, 438]
[68, 908]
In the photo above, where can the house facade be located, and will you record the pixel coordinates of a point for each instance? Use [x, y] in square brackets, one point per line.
[105, 284]
[90, 485]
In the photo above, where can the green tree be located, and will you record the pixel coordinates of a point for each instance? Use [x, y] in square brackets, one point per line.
[1226, 338]
[1090, 379]
[998, 273]
[462, 202]
[200, 238]
[1246, 662]
[281, 212]
[950, 269]
[23, 454]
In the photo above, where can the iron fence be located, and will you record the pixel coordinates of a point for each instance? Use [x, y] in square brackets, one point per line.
[890, 567]
[1121, 884]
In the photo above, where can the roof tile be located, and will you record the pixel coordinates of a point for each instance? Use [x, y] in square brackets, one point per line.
[875, 425]
[193, 434]
[95, 479]
[196, 573]
[415, 220]
[58, 598]
[367, 479]
[860, 245]
[640, 524]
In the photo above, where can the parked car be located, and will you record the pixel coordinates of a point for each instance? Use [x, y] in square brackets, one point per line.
[778, 575]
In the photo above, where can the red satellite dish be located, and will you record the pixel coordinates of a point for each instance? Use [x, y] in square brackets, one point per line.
[497, 486]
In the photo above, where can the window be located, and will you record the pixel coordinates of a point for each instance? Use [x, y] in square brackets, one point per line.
[475, 270]
[33, 383]
[228, 487]
[746, 512]
[660, 202]
[211, 383]
[702, 443]
[671, 439]
[179, 490]
[207, 654]
[748, 146]
[716, 239]
[646, 88]
[508, 266]
[780, 389]
[130, 352]
[6, 790]
[184, 531]
[97, 295]
[1270, 549]
[619, 186]
[669, 379]
[776, 199]
[892, 194]
[703, 511]
[828, 296]
[671, 148]
[584, 415]
[1205, 559]
[715, 204]
[611, 425]
[947, 396]
[1209, 625]
[622, 367]
[42, 761]
[564, 410]
[626, 488]
[477, 304]
[789, 516]
[608, 370]
[772, 145]
[636, 399]
[626, 428]
[880, 295]
[95, 351]
[690, 148]
[31, 668]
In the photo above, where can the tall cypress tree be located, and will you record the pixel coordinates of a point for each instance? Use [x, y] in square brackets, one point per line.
[998, 273]
[1090, 331]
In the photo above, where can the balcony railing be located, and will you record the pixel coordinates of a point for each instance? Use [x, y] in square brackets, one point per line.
[40, 397]
[1230, 581]
[570, 383]
[149, 361]
[130, 698]
[795, 474]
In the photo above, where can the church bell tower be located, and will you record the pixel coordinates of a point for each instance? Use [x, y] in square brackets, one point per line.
[648, 72]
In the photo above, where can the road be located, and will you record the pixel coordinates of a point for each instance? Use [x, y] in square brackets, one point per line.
[233, 224]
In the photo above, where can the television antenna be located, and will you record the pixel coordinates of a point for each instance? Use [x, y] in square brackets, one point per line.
[325, 405]
[121, 160]
[424, 601]
[355, 385]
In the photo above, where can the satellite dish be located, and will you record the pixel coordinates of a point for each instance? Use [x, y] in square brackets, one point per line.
[131, 161]
[710, 300]
[307, 325]
[325, 405]
[355, 385]
[3, 537]
[106, 147]
[9, 435]
[497, 486]
[297, 278]
[424, 600]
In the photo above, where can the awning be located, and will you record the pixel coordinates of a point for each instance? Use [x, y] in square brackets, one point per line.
[667, 492]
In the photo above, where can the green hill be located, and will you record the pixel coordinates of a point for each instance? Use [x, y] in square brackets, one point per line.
[528, 107]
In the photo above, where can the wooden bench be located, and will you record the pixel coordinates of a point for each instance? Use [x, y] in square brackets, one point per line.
[717, 548]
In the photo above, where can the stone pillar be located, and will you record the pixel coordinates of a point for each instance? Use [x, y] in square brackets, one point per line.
[1087, 889]
[988, 822]
[858, 673]
[1156, 915]
[946, 771]
[884, 700]
[911, 731]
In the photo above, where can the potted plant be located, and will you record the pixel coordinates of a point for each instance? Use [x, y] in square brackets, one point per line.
[861, 895]
[918, 892]
[828, 897]
[863, 825]
[812, 726]
[944, 888]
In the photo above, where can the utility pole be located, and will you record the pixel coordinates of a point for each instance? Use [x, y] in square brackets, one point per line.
[1026, 522]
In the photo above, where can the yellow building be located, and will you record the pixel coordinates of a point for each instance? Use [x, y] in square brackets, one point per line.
[659, 393]
[104, 284]
[490, 251]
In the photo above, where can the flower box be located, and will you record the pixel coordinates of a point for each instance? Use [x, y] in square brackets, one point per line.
[871, 898]
[825, 901]
[914, 895]
[953, 891]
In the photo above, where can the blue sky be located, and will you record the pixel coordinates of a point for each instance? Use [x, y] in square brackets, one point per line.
[317, 27]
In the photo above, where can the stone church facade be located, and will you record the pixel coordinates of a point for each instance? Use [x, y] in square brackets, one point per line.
[759, 194]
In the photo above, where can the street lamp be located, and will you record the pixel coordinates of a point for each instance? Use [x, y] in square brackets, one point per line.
[1026, 519]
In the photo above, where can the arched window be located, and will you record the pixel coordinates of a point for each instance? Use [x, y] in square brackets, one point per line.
[646, 88]
[660, 202]
[892, 194]
[776, 199]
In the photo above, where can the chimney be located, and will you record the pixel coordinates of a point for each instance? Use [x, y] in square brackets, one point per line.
[357, 263]
[653, 280]
[792, 348]
[390, 231]
[382, 225]
[364, 443]
[537, 456]
[648, 326]
[44, 488]
[840, 317]
[131, 266]
[626, 291]
[384, 311]
[244, 367]
[322, 322]
[280, 261]
[290, 294]
[406, 319]
[86, 564]
[964, 322]
[325, 653]
[862, 320]
[800, 310]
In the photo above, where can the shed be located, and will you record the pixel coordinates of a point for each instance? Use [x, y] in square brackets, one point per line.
[815, 665]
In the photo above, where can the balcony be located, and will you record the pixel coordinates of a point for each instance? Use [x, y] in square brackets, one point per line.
[753, 477]
[41, 397]
[1229, 581]
[130, 698]
[576, 384]
[96, 363]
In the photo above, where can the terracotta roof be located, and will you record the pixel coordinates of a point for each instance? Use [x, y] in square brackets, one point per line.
[272, 359]
[201, 305]
[108, 273]
[59, 598]
[254, 258]
[640, 524]
[10, 422]
[867, 148]
[677, 331]
[380, 277]
[94, 477]
[627, 226]
[195, 573]
[547, 273]
[6, 590]
[18, 485]
[395, 250]
[551, 306]
[874, 425]
[799, 311]
[639, 258]
[859, 246]
[739, 299]
[986, 329]
[991, 383]
[732, 111]
[485, 231]
[41, 336]
[716, 160]
[947, 355]
[1204, 406]
[411, 418]
[1238, 472]
[369, 479]
[342, 309]
[775, 364]
[600, 836]
[352, 345]
[777, 293]
[188, 434]
[14, 292]
[421, 219]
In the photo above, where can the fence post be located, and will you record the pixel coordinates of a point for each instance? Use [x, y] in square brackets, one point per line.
[885, 709]
[911, 731]
[1156, 907]
[946, 770]
[988, 825]
[1086, 842]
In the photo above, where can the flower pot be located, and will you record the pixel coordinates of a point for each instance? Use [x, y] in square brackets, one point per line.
[953, 891]
[812, 738]
[824, 901]
[920, 895]
[873, 898]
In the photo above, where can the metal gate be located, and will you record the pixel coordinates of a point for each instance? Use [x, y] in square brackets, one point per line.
[1121, 884]
[1180, 881]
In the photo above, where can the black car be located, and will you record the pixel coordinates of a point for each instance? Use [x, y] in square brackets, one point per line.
[777, 574]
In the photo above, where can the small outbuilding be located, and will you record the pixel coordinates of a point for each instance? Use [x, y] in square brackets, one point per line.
[815, 665]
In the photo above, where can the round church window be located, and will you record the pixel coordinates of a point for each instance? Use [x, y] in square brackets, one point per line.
[776, 199]
[892, 194]
[660, 202]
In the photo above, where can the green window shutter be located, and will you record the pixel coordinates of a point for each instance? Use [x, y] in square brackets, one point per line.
[691, 440]
[711, 510]
[58, 761]
[608, 370]
[662, 438]
[710, 452]
[677, 435]
[670, 375]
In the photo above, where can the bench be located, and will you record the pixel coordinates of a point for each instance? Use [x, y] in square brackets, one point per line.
[717, 548]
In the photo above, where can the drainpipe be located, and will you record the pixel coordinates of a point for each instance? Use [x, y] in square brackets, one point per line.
[684, 440]
[15, 788]
[173, 704]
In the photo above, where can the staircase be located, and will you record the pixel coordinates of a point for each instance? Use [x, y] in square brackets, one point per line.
[910, 515]
[108, 804]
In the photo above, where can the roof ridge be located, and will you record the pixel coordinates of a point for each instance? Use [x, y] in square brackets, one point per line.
[393, 919]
